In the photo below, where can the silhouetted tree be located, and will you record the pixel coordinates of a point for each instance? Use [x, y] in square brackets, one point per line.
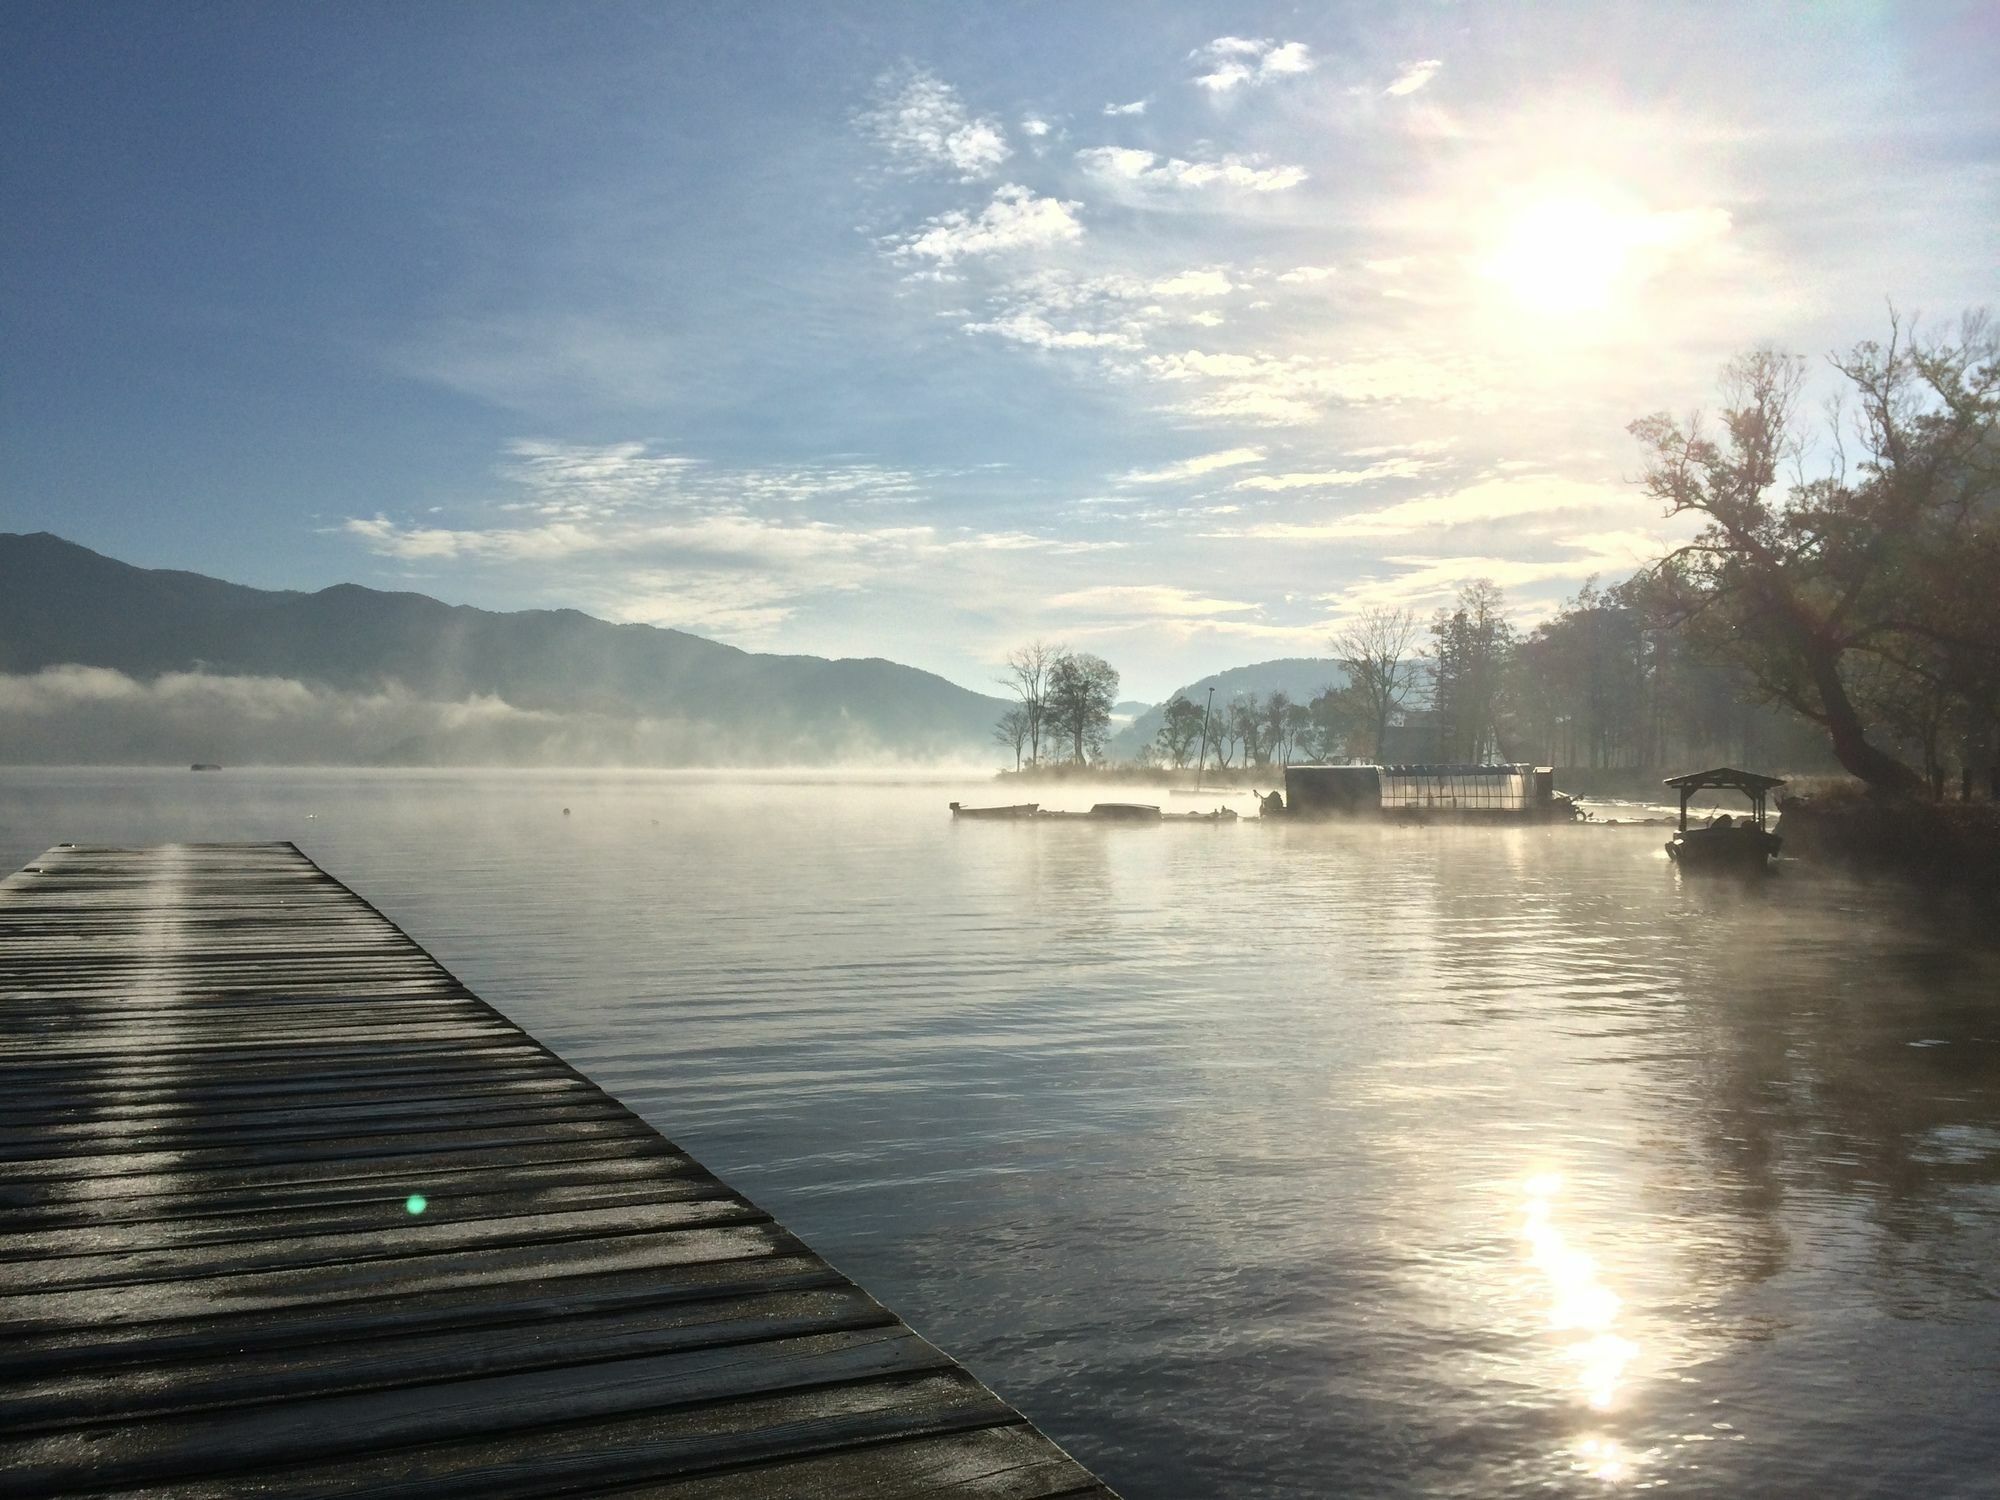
[1012, 730]
[1471, 645]
[1028, 676]
[1081, 691]
[1180, 730]
[1245, 718]
[1862, 602]
[1375, 651]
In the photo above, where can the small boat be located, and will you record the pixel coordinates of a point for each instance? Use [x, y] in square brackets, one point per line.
[1013, 810]
[1220, 815]
[203, 765]
[1125, 812]
[1725, 843]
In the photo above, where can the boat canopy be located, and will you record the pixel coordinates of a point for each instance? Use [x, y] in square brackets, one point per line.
[1727, 779]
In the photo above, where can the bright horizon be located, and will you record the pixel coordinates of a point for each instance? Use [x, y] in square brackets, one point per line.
[916, 333]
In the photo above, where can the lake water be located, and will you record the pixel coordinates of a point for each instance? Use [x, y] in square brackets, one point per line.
[1260, 1160]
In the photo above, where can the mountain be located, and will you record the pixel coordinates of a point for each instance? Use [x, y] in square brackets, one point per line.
[1304, 677]
[530, 684]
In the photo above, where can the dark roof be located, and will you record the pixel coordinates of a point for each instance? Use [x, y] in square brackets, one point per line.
[1725, 776]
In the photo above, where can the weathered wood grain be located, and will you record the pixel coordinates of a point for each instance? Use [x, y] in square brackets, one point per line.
[286, 1210]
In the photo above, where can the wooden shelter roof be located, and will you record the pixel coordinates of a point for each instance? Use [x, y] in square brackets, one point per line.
[1725, 776]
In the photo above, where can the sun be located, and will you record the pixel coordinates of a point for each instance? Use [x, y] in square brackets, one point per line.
[1564, 255]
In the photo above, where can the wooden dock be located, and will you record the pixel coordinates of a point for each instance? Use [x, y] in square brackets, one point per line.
[286, 1210]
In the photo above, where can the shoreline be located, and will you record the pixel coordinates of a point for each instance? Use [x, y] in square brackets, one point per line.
[1955, 844]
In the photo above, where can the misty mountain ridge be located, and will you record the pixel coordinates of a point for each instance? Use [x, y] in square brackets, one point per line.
[111, 662]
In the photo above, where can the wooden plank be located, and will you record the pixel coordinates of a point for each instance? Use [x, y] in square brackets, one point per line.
[470, 1174]
[222, 1077]
[591, 1458]
[236, 1377]
[987, 1463]
[403, 1311]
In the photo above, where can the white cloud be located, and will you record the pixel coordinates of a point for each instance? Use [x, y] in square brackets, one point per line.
[1136, 107]
[1207, 282]
[1036, 126]
[1287, 57]
[1414, 77]
[1027, 326]
[1124, 164]
[923, 124]
[635, 535]
[1426, 579]
[1053, 309]
[1307, 274]
[1273, 390]
[1509, 499]
[1016, 219]
[1401, 468]
[1235, 60]
[1194, 468]
[1147, 601]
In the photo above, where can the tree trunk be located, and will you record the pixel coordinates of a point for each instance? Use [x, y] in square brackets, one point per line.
[1879, 769]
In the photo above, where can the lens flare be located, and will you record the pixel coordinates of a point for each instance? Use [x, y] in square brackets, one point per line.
[416, 1203]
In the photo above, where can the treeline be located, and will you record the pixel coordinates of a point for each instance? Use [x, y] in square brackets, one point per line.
[1848, 616]
[1602, 685]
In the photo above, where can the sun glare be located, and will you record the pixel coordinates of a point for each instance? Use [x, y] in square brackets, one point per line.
[1563, 255]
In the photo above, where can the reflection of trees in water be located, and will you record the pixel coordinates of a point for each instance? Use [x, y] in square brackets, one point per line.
[1842, 1066]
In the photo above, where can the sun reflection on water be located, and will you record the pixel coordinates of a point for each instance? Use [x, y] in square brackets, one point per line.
[1580, 1303]
[1602, 1458]
[1584, 1311]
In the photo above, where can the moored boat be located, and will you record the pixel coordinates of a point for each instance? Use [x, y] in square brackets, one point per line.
[1012, 810]
[1725, 843]
[1125, 812]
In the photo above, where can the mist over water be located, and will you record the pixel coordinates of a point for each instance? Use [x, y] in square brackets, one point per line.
[1258, 1160]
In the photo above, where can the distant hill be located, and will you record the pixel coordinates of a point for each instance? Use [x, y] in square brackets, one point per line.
[1304, 677]
[540, 684]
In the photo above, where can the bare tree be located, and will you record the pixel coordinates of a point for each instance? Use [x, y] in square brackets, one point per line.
[1245, 718]
[1376, 652]
[1028, 676]
[1012, 731]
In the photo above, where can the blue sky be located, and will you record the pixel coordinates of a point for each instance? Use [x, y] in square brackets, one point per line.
[1177, 333]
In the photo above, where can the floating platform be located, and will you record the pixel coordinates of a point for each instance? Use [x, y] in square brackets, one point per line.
[287, 1210]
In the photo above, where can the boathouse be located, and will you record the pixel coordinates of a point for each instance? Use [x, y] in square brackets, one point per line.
[1473, 793]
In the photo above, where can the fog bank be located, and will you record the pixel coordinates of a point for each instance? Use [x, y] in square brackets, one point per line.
[77, 715]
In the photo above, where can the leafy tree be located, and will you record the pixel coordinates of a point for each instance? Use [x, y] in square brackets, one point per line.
[1471, 646]
[1272, 717]
[1375, 651]
[1581, 682]
[1180, 730]
[1081, 691]
[1298, 721]
[1334, 714]
[1862, 601]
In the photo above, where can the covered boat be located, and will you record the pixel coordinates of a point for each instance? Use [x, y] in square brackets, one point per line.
[1725, 843]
